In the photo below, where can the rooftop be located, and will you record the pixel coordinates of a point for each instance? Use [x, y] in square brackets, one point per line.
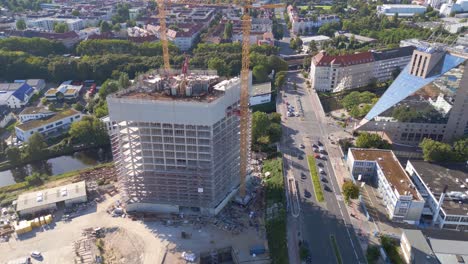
[196, 86]
[391, 168]
[421, 251]
[49, 196]
[40, 122]
[454, 175]
[34, 110]
[260, 89]
[393, 53]
[450, 251]
[322, 59]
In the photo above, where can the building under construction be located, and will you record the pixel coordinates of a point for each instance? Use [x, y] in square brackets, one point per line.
[177, 141]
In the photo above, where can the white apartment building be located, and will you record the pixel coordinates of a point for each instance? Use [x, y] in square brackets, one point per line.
[400, 197]
[55, 124]
[445, 190]
[401, 10]
[48, 23]
[336, 73]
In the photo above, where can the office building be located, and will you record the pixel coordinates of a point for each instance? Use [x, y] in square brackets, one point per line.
[428, 99]
[176, 142]
[415, 248]
[336, 73]
[445, 190]
[399, 195]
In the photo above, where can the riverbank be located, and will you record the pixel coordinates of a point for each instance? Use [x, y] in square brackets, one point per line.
[9, 193]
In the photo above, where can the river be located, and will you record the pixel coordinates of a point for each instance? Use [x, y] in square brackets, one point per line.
[58, 165]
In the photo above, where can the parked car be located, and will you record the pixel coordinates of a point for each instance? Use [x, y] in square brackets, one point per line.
[326, 188]
[307, 194]
[302, 146]
[303, 176]
[321, 171]
[323, 179]
[36, 254]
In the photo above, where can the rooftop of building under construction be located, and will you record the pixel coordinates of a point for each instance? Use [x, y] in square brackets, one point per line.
[195, 86]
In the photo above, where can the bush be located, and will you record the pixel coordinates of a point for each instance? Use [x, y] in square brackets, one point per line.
[372, 254]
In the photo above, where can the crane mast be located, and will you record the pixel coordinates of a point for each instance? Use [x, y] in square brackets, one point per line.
[163, 34]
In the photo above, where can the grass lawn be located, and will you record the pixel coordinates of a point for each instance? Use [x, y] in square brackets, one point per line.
[276, 228]
[315, 178]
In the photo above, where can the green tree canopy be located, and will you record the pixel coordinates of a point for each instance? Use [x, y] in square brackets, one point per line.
[36, 147]
[90, 131]
[370, 140]
[260, 73]
[61, 27]
[20, 24]
[350, 190]
[227, 30]
[14, 155]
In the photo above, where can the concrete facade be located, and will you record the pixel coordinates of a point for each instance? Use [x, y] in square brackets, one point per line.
[177, 154]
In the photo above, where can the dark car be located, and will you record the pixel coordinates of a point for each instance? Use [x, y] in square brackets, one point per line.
[323, 179]
[314, 146]
[303, 176]
[326, 188]
[307, 194]
[320, 164]
[300, 157]
[319, 143]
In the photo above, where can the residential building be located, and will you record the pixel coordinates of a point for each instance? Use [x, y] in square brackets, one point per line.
[177, 142]
[49, 199]
[336, 73]
[37, 84]
[428, 99]
[111, 126]
[33, 113]
[401, 199]
[6, 116]
[301, 24]
[68, 91]
[401, 10]
[260, 94]
[415, 248]
[51, 125]
[15, 95]
[69, 39]
[450, 251]
[48, 23]
[444, 188]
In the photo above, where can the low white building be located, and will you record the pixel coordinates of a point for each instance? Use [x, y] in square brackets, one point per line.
[110, 125]
[261, 94]
[33, 113]
[319, 40]
[301, 24]
[401, 199]
[54, 124]
[15, 95]
[50, 199]
[444, 187]
[401, 10]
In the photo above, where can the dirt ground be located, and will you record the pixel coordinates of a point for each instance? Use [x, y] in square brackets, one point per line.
[133, 241]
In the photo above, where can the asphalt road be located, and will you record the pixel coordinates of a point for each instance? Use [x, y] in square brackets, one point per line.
[317, 221]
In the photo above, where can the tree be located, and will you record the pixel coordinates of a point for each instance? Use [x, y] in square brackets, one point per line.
[260, 73]
[275, 118]
[61, 27]
[37, 147]
[350, 191]
[78, 107]
[228, 30]
[14, 155]
[124, 81]
[280, 79]
[368, 140]
[34, 179]
[298, 43]
[105, 27]
[20, 24]
[219, 65]
[313, 47]
[108, 87]
[260, 124]
[116, 27]
[75, 13]
[460, 149]
[436, 151]
[89, 131]
[274, 132]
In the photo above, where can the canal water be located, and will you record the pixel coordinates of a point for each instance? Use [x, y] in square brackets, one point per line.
[58, 165]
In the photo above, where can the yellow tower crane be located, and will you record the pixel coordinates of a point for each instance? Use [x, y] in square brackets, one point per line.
[244, 96]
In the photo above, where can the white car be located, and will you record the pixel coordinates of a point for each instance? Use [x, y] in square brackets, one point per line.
[36, 254]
